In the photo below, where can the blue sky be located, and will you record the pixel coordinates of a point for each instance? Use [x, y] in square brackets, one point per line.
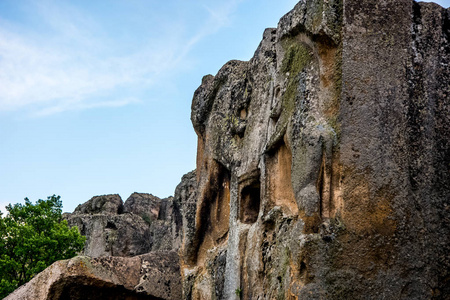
[95, 95]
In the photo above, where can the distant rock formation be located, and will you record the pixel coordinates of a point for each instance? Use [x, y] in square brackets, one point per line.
[130, 251]
[143, 224]
[150, 276]
[106, 204]
[323, 162]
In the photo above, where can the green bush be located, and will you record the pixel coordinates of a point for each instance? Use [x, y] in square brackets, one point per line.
[32, 237]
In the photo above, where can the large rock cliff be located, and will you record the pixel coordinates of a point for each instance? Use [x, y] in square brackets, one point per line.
[322, 173]
[323, 162]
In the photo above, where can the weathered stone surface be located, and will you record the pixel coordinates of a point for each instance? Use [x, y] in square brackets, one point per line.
[167, 228]
[144, 205]
[163, 216]
[113, 235]
[186, 198]
[322, 164]
[322, 171]
[125, 258]
[151, 276]
[145, 223]
[105, 204]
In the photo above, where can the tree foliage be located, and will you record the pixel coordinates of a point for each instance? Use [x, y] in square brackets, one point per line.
[32, 237]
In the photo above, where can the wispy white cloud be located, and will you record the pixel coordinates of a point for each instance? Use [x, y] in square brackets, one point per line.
[66, 106]
[219, 17]
[73, 64]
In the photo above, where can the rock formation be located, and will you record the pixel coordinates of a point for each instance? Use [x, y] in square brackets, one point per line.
[150, 276]
[130, 251]
[322, 173]
[323, 162]
[105, 204]
[143, 224]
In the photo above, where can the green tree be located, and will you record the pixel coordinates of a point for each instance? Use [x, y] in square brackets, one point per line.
[32, 237]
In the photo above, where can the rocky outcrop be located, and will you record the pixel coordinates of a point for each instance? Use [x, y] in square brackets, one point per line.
[123, 250]
[163, 215]
[145, 205]
[143, 224]
[322, 164]
[105, 204]
[186, 198]
[113, 235]
[150, 276]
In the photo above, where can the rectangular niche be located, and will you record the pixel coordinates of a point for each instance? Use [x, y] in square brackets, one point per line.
[249, 197]
[213, 214]
[278, 179]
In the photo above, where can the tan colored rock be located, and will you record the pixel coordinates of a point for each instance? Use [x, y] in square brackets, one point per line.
[150, 276]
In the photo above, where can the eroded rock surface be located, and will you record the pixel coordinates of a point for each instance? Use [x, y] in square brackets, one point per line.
[186, 198]
[113, 235]
[145, 205]
[143, 224]
[105, 204]
[150, 276]
[113, 268]
[322, 165]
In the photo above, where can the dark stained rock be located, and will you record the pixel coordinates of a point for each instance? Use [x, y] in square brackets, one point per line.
[144, 205]
[105, 204]
[146, 277]
[163, 216]
[186, 198]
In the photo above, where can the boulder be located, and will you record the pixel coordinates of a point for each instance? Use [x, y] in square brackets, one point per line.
[105, 204]
[163, 216]
[113, 235]
[150, 276]
[144, 205]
